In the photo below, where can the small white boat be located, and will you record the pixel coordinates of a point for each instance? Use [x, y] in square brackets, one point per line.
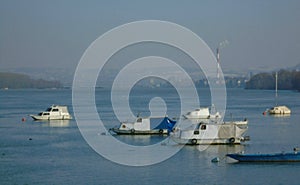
[280, 110]
[212, 133]
[202, 113]
[55, 112]
[143, 126]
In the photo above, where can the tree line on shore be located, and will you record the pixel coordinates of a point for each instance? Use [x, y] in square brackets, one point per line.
[19, 81]
[287, 80]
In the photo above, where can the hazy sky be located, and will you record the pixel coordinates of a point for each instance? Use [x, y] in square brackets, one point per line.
[55, 33]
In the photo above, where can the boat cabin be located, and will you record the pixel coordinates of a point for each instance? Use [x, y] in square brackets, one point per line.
[139, 124]
[280, 110]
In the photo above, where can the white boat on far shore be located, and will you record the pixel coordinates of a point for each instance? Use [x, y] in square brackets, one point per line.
[55, 112]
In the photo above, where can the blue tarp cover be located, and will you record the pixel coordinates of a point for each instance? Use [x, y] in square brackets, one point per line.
[166, 123]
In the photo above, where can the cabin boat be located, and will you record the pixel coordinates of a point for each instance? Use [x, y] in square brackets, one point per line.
[280, 110]
[201, 113]
[276, 157]
[55, 112]
[143, 126]
[212, 133]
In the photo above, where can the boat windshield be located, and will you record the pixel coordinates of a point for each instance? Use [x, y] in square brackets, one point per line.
[48, 110]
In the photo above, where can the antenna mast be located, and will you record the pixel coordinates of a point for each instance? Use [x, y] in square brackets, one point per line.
[276, 87]
[218, 63]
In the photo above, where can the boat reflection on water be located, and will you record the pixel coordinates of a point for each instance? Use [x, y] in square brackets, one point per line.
[220, 150]
[281, 115]
[140, 140]
[215, 153]
[57, 123]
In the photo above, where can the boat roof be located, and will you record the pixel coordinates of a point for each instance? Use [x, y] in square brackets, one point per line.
[201, 108]
[281, 107]
[58, 106]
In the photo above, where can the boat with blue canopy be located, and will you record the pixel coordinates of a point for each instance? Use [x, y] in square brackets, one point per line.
[146, 126]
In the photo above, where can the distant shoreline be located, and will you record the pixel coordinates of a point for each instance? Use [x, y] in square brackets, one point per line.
[287, 80]
[10, 80]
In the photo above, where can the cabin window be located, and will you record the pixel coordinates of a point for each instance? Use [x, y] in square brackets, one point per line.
[139, 120]
[54, 110]
[203, 127]
[46, 114]
[196, 132]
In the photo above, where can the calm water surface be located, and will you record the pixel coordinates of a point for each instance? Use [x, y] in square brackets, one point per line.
[55, 152]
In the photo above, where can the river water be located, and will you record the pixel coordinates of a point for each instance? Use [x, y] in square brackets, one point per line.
[55, 152]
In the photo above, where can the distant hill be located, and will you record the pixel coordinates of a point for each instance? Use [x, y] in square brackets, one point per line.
[287, 80]
[18, 81]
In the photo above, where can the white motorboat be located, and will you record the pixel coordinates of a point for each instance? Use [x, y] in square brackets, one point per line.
[145, 126]
[202, 113]
[212, 133]
[55, 112]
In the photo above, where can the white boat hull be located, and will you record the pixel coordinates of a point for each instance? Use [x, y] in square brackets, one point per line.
[140, 132]
[63, 117]
[216, 141]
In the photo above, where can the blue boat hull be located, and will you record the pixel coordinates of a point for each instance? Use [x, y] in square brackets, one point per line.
[279, 157]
